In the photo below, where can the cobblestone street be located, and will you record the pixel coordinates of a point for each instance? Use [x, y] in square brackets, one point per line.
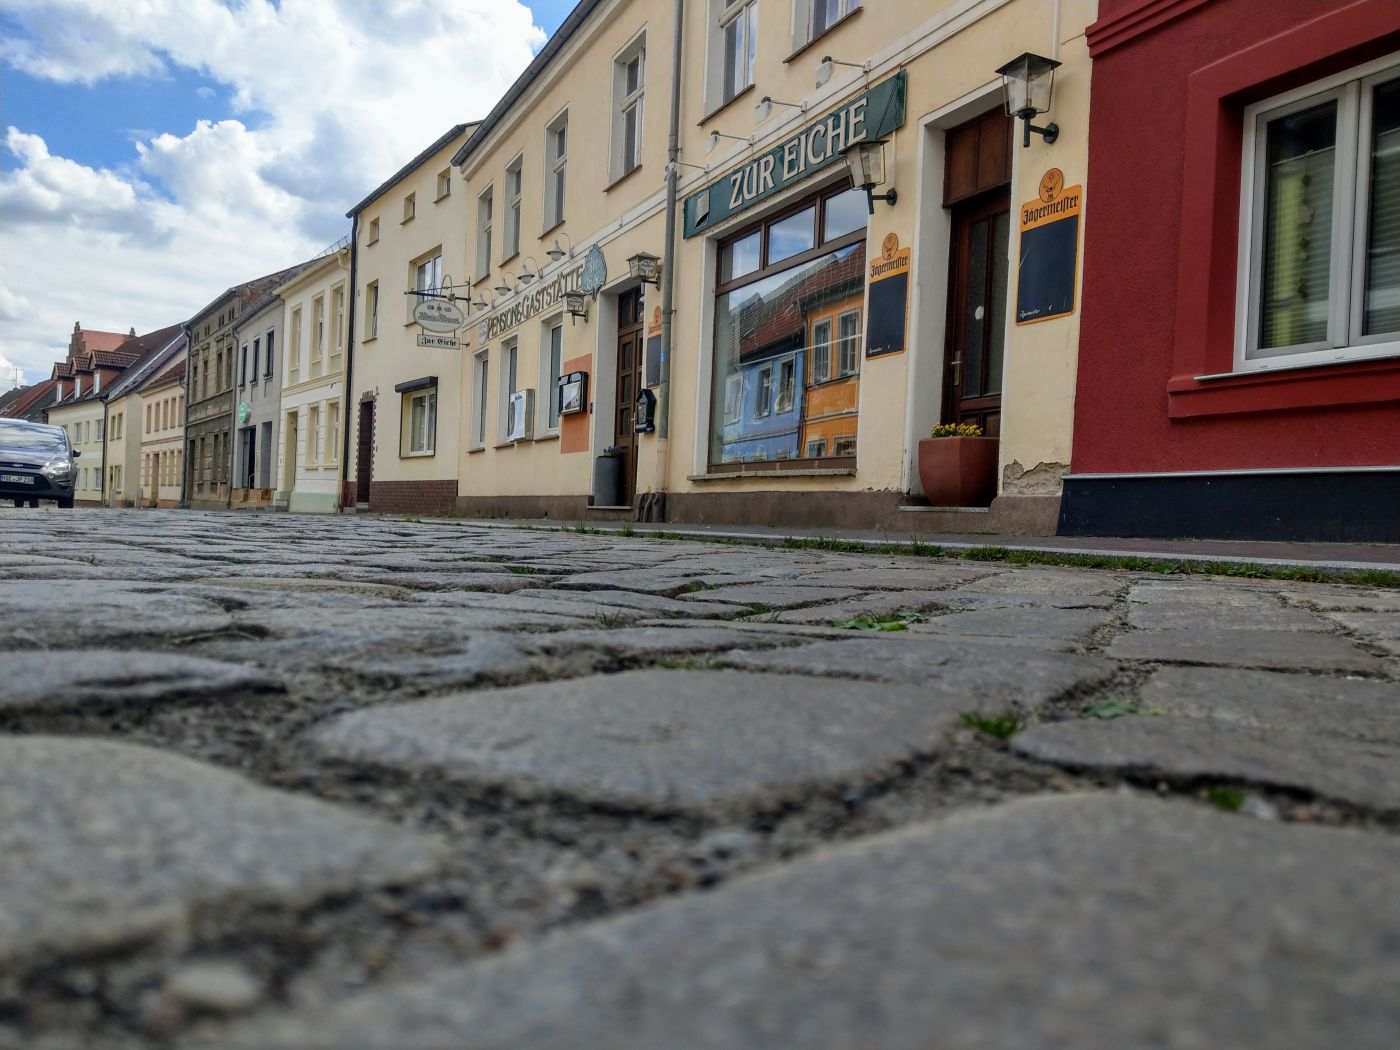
[275, 781]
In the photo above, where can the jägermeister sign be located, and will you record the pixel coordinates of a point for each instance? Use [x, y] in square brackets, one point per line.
[871, 115]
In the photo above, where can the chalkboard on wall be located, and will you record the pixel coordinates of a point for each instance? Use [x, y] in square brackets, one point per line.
[889, 300]
[1048, 261]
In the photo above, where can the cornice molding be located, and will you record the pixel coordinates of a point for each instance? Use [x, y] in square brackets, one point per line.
[1108, 34]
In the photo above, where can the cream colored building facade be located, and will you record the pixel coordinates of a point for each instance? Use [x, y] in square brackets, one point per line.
[315, 327]
[407, 235]
[83, 419]
[162, 444]
[780, 409]
[128, 409]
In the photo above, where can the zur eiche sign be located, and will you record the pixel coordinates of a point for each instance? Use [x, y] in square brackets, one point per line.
[869, 116]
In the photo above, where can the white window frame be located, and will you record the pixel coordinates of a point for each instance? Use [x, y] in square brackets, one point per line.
[733, 398]
[485, 205]
[556, 177]
[824, 346]
[512, 186]
[627, 103]
[410, 207]
[481, 365]
[550, 371]
[853, 341]
[337, 354]
[373, 237]
[726, 12]
[1350, 203]
[804, 18]
[444, 183]
[293, 351]
[785, 388]
[371, 311]
[318, 335]
[428, 438]
[507, 381]
[425, 274]
[763, 380]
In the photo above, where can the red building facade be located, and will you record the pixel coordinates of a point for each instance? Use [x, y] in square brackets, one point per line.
[1239, 370]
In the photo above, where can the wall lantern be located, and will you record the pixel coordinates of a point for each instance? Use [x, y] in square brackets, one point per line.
[1029, 82]
[764, 109]
[645, 267]
[527, 275]
[504, 287]
[556, 253]
[577, 304]
[712, 139]
[866, 163]
[479, 302]
[827, 67]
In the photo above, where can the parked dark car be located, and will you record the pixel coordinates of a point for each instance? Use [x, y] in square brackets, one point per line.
[36, 462]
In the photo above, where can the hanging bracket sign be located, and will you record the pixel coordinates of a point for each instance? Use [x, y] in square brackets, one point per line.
[438, 315]
[595, 272]
[870, 115]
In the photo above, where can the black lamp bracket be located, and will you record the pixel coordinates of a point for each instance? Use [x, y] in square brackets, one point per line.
[1049, 133]
[871, 197]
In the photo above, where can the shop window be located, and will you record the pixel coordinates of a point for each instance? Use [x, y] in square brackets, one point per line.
[1320, 255]
[556, 139]
[510, 235]
[788, 340]
[629, 87]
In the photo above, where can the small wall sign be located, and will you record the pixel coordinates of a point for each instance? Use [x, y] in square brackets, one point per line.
[438, 342]
[889, 298]
[595, 272]
[573, 393]
[1048, 262]
[438, 315]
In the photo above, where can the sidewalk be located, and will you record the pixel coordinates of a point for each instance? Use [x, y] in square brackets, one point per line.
[1341, 556]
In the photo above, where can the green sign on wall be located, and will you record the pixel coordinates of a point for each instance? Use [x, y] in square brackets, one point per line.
[868, 116]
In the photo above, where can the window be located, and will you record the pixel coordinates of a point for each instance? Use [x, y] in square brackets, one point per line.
[815, 17]
[629, 83]
[420, 422]
[554, 364]
[243, 366]
[789, 299]
[1320, 239]
[257, 352]
[318, 334]
[483, 234]
[821, 351]
[373, 237]
[338, 320]
[372, 311]
[410, 207]
[763, 400]
[556, 142]
[313, 434]
[427, 277]
[268, 367]
[294, 353]
[850, 342]
[510, 236]
[332, 432]
[479, 401]
[509, 380]
[737, 48]
[444, 182]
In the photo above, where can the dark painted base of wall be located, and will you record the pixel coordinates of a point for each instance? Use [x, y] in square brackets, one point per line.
[1327, 507]
[561, 508]
[412, 497]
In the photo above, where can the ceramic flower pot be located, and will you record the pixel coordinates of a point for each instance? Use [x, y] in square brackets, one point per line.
[958, 471]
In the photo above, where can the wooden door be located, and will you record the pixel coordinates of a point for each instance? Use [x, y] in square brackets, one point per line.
[978, 275]
[364, 464]
[629, 383]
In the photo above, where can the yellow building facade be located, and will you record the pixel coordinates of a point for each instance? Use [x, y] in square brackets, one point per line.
[816, 334]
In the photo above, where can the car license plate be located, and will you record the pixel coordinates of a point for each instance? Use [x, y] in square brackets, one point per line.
[18, 479]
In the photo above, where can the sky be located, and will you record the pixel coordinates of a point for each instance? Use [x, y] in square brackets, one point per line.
[155, 152]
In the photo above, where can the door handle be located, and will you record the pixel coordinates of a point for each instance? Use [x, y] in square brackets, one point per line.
[956, 366]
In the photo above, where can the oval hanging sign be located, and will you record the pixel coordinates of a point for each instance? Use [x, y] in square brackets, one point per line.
[439, 315]
[244, 411]
[595, 271]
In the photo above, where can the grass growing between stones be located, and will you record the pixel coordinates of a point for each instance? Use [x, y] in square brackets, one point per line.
[1002, 726]
[895, 622]
[1227, 798]
[1110, 709]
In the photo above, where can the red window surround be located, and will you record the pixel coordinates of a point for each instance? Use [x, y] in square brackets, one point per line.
[1205, 308]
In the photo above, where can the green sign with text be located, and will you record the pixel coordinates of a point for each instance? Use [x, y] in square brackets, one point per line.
[867, 117]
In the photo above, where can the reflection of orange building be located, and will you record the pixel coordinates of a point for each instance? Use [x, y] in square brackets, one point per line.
[834, 337]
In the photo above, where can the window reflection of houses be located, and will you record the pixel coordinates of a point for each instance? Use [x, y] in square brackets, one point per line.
[789, 340]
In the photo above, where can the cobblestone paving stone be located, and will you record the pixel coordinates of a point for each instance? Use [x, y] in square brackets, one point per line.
[281, 781]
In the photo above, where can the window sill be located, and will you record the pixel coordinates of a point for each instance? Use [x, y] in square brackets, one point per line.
[371, 244]
[474, 449]
[550, 229]
[510, 258]
[1376, 381]
[369, 339]
[552, 435]
[442, 196]
[481, 280]
[506, 444]
[723, 106]
[825, 32]
[405, 222]
[799, 472]
[417, 455]
[622, 178]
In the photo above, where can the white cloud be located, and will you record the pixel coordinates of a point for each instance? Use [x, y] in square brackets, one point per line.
[333, 96]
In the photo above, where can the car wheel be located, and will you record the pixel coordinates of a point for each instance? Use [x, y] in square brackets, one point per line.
[66, 504]
[34, 503]
[19, 501]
